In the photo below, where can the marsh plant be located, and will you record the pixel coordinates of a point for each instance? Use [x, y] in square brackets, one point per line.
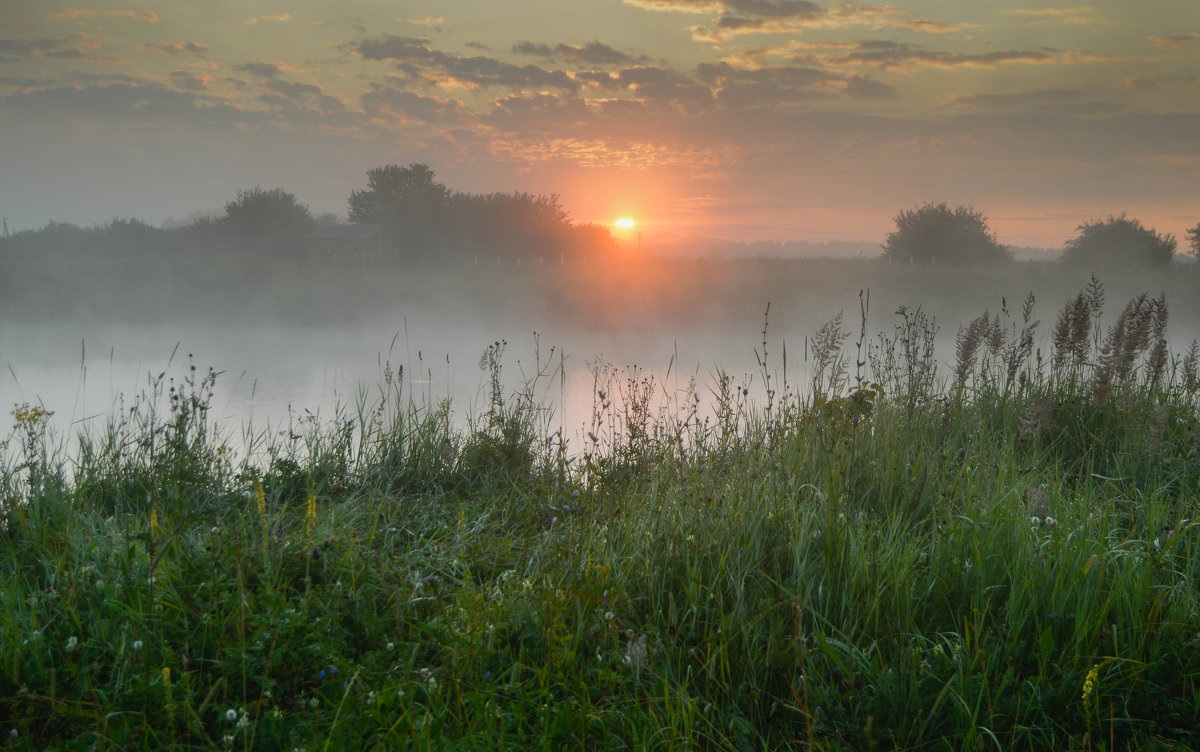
[1001, 552]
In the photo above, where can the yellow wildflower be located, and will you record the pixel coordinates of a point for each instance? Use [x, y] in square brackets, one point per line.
[1089, 682]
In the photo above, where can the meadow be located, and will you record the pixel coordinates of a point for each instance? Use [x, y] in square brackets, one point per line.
[998, 552]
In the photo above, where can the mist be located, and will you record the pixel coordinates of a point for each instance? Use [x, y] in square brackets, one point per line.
[304, 315]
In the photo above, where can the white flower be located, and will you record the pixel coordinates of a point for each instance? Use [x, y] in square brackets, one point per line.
[1035, 521]
[231, 715]
[137, 644]
[72, 642]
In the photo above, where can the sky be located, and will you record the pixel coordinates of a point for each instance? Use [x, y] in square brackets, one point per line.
[745, 119]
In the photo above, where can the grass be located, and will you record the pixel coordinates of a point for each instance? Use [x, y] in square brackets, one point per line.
[1003, 557]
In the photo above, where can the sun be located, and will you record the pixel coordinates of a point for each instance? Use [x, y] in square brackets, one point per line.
[624, 223]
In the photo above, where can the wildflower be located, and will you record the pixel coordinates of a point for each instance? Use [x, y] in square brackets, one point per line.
[228, 739]
[1089, 682]
[1051, 522]
[231, 715]
[260, 499]
[391, 646]
[72, 642]
[137, 644]
[1035, 521]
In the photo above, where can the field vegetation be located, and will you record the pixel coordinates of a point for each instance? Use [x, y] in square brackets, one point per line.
[882, 554]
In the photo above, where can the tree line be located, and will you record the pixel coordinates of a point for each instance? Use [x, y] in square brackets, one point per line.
[935, 233]
[419, 218]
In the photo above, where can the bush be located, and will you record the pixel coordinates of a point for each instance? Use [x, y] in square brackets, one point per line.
[1118, 242]
[935, 232]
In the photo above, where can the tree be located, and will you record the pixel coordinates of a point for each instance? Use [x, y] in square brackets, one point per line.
[1118, 242]
[1193, 236]
[937, 233]
[267, 216]
[397, 196]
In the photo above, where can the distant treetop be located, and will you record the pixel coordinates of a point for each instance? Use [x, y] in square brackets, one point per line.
[935, 233]
[1118, 242]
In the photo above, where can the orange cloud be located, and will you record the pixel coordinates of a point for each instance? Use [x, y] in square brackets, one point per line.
[933, 27]
[278, 18]
[194, 49]
[74, 14]
[1175, 40]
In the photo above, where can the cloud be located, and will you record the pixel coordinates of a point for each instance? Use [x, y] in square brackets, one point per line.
[74, 14]
[394, 103]
[890, 55]
[188, 80]
[262, 69]
[683, 6]
[729, 18]
[772, 87]
[292, 89]
[593, 53]
[64, 48]
[1175, 40]
[1082, 15]
[933, 27]
[1158, 82]
[126, 103]
[1018, 99]
[277, 18]
[148, 16]
[193, 49]
[434, 67]
[429, 21]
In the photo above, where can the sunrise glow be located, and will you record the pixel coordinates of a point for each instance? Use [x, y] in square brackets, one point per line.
[624, 223]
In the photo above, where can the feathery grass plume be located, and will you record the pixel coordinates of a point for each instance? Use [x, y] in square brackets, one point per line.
[1156, 360]
[1125, 341]
[967, 343]
[1095, 296]
[1072, 333]
[1020, 347]
[996, 336]
[829, 368]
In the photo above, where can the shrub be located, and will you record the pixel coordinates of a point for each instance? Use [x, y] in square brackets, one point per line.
[1118, 242]
[935, 232]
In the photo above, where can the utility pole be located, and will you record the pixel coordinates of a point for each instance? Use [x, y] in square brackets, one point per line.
[6, 228]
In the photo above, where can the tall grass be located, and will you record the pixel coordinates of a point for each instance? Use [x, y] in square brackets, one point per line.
[1003, 556]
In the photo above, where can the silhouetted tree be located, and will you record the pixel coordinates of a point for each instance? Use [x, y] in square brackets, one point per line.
[513, 223]
[937, 233]
[1118, 242]
[399, 195]
[1193, 236]
[271, 218]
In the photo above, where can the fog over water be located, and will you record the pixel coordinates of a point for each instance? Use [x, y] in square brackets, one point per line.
[321, 340]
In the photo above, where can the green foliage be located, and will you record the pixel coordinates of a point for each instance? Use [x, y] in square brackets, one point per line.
[399, 197]
[985, 563]
[935, 233]
[273, 216]
[1193, 236]
[1118, 242]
